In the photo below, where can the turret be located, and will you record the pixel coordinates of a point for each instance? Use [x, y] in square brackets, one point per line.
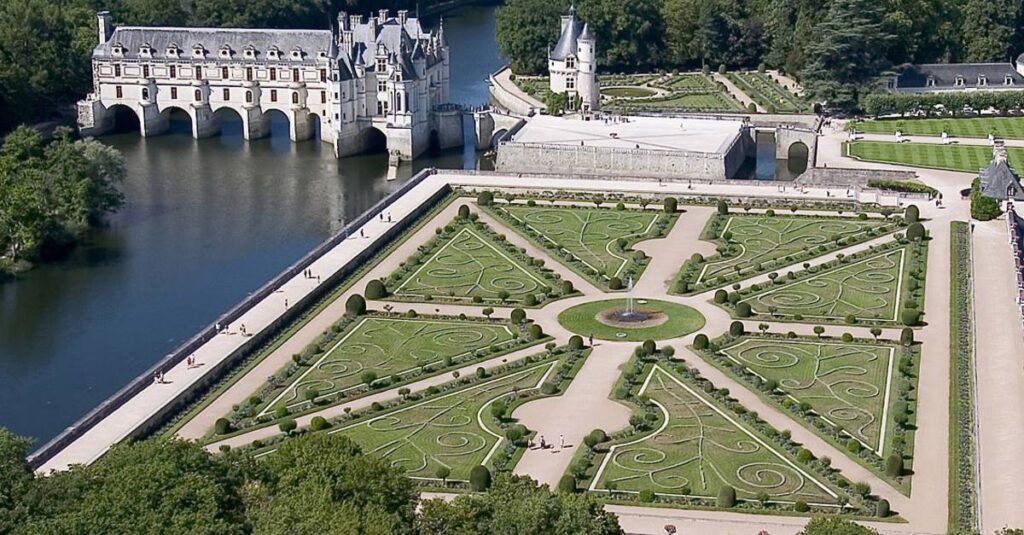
[587, 84]
[105, 26]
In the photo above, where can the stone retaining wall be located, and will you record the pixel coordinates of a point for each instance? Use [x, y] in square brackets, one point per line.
[516, 157]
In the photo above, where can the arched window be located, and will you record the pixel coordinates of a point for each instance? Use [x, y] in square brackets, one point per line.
[248, 96]
[295, 97]
[199, 95]
[145, 93]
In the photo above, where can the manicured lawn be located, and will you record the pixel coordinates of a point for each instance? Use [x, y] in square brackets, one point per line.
[848, 384]
[715, 101]
[582, 319]
[387, 346]
[758, 239]
[691, 81]
[629, 92]
[868, 289]
[468, 265]
[976, 127]
[699, 448]
[967, 158]
[456, 430]
[592, 241]
[765, 91]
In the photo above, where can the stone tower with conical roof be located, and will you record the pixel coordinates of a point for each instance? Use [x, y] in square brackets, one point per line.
[572, 63]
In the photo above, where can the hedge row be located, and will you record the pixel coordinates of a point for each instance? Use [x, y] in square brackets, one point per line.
[903, 186]
[953, 101]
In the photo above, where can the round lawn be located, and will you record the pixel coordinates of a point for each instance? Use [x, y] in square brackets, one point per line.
[628, 92]
[669, 320]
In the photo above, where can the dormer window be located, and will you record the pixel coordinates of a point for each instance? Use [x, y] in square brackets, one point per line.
[570, 62]
[297, 54]
[323, 54]
[959, 81]
[1008, 80]
[146, 51]
[982, 81]
[225, 51]
[250, 52]
[382, 64]
[273, 53]
[198, 51]
[930, 82]
[117, 49]
[172, 51]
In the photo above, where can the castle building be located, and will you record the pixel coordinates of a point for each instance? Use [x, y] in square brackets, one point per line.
[945, 77]
[359, 80]
[572, 63]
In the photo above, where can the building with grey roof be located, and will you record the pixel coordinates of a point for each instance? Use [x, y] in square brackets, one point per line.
[940, 77]
[358, 83]
[572, 63]
[999, 182]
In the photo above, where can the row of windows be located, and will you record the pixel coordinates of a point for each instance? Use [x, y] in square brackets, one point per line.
[960, 81]
[226, 92]
[224, 73]
[225, 52]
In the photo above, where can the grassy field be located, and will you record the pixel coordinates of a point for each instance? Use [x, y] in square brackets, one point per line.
[628, 92]
[387, 346]
[681, 320]
[975, 127]
[759, 239]
[868, 289]
[766, 91]
[714, 101]
[967, 158]
[701, 447]
[470, 265]
[454, 431]
[593, 241]
[847, 384]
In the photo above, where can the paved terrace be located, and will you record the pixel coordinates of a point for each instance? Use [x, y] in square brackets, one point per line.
[142, 407]
[655, 133]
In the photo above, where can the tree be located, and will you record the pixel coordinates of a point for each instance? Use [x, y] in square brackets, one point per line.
[629, 33]
[356, 305]
[567, 484]
[487, 312]
[442, 473]
[910, 317]
[479, 478]
[819, 330]
[988, 29]
[524, 31]
[649, 347]
[287, 426]
[834, 525]
[847, 54]
[876, 332]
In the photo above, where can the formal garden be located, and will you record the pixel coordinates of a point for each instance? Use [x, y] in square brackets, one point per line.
[468, 262]
[592, 241]
[968, 127]
[882, 285]
[752, 244]
[959, 157]
[643, 319]
[768, 93]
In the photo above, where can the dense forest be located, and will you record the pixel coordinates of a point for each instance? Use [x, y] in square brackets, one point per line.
[51, 192]
[838, 48]
[45, 45]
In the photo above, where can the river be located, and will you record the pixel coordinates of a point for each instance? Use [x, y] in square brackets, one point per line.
[205, 223]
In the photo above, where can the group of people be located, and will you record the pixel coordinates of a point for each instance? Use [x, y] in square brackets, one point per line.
[543, 444]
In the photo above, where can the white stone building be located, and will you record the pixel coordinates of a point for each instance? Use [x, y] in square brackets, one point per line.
[361, 80]
[572, 63]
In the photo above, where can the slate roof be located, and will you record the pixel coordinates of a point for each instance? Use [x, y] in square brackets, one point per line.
[132, 38]
[945, 75]
[566, 45]
[999, 182]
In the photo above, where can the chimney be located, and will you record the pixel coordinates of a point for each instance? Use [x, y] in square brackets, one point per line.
[403, 15]
[373, 29]
[355, 20]
[383, 15]
[346, 38]
[106, 27]
[343, 22]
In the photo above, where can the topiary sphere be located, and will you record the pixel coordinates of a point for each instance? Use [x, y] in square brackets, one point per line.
[567, 287]
[915, 232]
[670, 205]
[567, 484]
[882, 508]
[701, 341]
[485, 198]
[912, 214]
[518, 315]
[479, 478]
[736, 328]
[743, 310]
[536, 332]
[649, 347]
[463, 212]
[576, 342]
[721, 296]
[615, 283]
[355, 306]
[222, 426]
[375, 289]
[910, 317]
[726, 497]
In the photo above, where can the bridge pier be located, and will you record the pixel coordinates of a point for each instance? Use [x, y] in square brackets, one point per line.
[300, 128]
[484, 123]
[152, 122]
[255, 124]
[204, 122]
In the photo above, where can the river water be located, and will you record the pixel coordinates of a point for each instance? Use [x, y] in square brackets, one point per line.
[205, 223]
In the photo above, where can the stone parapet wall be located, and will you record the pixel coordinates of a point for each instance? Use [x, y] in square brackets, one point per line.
[602, 161]
[838, 176]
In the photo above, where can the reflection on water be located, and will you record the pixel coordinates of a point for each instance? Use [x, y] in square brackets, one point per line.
[764, 165]
[206, 222]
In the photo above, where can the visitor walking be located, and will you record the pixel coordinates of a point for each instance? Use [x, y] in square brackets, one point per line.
[561, 442]
[286, 304]
[590, 341]
[543, 445]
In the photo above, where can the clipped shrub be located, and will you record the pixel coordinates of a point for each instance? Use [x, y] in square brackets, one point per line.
[801, 507]
[536, 332]
[907, 336]
[222, 426]
[485, 198]
[615, 283]
[287, 425]
[567, 484]
[671, 204]
[910, 317]
[281, 412]
[736, 328]
[549, 389]
[743, 310]
[375, 290]
[847, 337]
[912, 214]
[726, 497]
[530, 300]
[915, 232]
[646, 496]
[318, 423]
[518, 315]
[882, 508]
[567, 287]
[368, 377]
[701, 341]
[463, 212]
[721, 296]
[894, 465]
[479, 478]
[575, 342]
[355, 306]
[723, 207]
[649, 347]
